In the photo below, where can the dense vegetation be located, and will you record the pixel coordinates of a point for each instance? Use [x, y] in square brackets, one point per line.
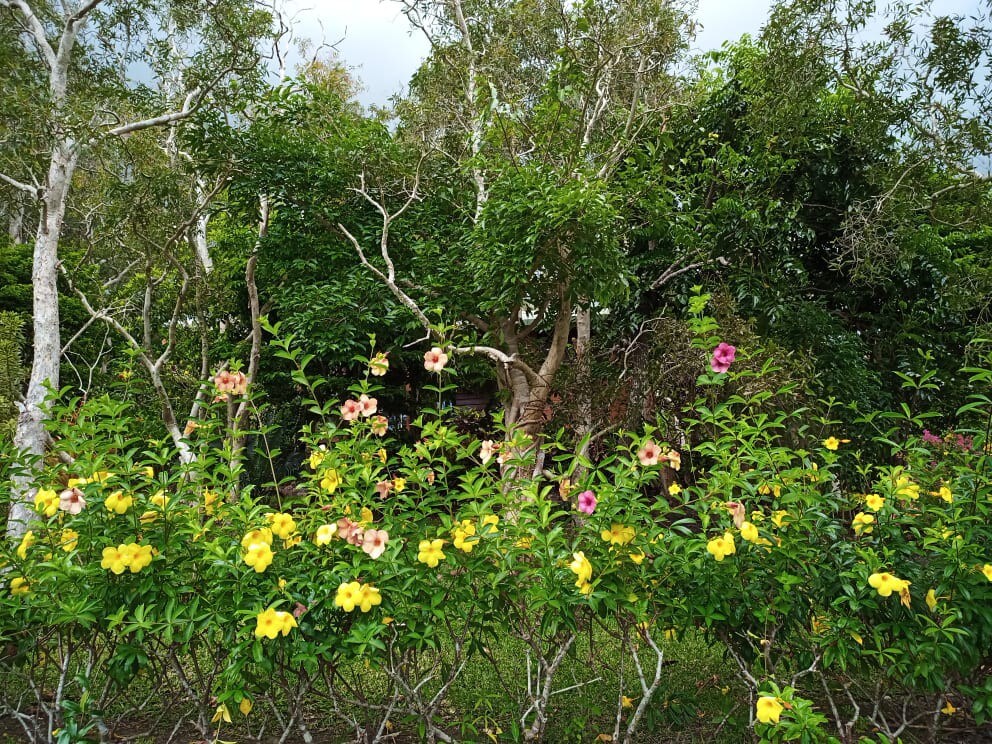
[585, 353]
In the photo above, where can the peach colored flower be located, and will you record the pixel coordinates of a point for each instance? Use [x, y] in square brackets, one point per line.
[350, 531]
[374, 542]
[488, 449]
[649, 454]
[71, 500]
[351, 410]
[367, 405]
[435, 359]
[674, 460]
[380, 425]
[379, 365]
[383, 488]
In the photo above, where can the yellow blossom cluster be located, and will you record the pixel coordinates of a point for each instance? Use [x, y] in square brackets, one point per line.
[353, 594]
[271, 622]
[126, 556]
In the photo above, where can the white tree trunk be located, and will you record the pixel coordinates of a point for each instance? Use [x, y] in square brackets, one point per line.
[31, 436]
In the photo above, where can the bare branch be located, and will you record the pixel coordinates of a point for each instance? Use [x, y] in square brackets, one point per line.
[193, 99]
[33, 190]
[35, 28]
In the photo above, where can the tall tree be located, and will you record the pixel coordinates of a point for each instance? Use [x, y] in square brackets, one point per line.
[86, 54]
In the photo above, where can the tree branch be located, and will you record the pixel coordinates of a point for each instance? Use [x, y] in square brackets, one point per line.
[33, 190]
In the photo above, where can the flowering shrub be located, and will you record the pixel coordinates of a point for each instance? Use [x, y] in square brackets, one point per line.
[366, 584]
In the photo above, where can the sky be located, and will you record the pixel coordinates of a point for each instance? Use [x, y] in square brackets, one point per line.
[374, 38]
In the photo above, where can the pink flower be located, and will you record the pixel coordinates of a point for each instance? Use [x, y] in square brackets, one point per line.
[350, 531]
[649, 453]
[350, 410]
[374, 542]
[71, 500]
[383, 488]
[723, 357]
[435, 359]
[674, 460]
[380, 424]
[299, 610]
[587, 502]
[368, 405]
[488, 449]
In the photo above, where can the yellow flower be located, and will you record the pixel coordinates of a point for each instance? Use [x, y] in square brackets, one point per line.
[626, 702]
[618, 534]
[430, 552]
[490, 524]
[749, 532]
[885, 583]
[148, 517]
[160, 499]
[399, 484]
[292, 540]
[330, 481]
[26, 542]
[582, 569]
[460, 535]
[369, 598]
[674, 490]
[946, 495]
[324, 533]
[831, 443]
[987, 570]
[768, 709]
[258, 556]
[149, 472]
[365, 516]
[906, 488]
[46, 502]
[100, 476]
[948, 709]
[283, 524]
[931, 599]
[863, 523]
[317, 457]
[19, 585]
[245, 706]
[721, 547]
[68, 540]
[764, 489]
[874, 502]
[637, 558]
[139, 556]
[74, 482]
[113, 560]
[221, 714]
[118, 503]
[382, 455]
[779, 517]
[271, 622]
[209, 499]
[263, 535]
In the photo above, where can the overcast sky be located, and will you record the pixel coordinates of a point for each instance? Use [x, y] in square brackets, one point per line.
[375, 38]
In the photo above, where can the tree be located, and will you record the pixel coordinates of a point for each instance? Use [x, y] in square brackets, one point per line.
[88, 99]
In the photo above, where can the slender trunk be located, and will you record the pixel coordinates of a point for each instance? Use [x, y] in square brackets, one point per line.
[15, 222]
[31, 436]
[583, 379]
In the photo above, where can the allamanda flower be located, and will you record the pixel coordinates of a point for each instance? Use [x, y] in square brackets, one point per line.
[324, 533]
[27, 541]
[749, 532]
[581, 567]
[874, 502]
[885, 583]
[46, 502]
[258, 555]
[618, 534]
[721, 547]
[768, 709]
[19, 585]
[430, 552]
[862, 523]
[118, 502]
[283, 524]
[461, 535]
[271, 622]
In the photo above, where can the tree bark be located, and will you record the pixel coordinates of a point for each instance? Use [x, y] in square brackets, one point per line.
[31, 436]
